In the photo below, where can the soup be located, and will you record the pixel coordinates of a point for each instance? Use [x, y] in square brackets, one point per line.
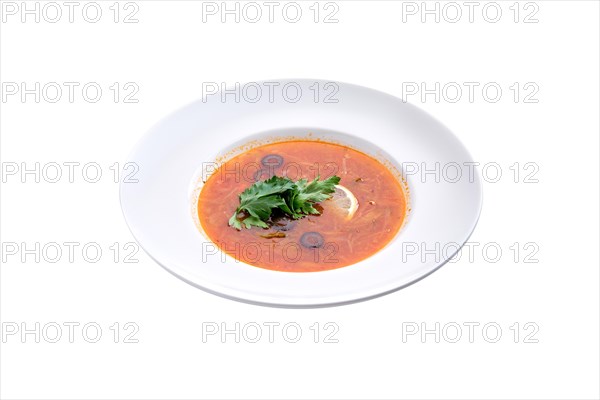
[364, 211]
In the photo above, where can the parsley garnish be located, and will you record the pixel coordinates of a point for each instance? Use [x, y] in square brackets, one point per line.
[295, 199]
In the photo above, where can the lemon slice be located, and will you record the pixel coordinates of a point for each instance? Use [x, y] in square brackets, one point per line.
[344, 201]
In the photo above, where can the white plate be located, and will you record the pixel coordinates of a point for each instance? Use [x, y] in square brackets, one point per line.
[159, 208]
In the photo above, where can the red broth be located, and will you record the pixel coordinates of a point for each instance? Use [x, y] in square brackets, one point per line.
[340, 241]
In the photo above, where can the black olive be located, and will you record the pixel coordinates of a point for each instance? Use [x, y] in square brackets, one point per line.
[312, 240]
[272, 161]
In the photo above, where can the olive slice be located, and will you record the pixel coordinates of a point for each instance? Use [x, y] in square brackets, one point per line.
[312, 240]
[272, 160]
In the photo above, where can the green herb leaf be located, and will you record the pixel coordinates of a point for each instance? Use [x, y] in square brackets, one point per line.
[294, 199]
[312, 192]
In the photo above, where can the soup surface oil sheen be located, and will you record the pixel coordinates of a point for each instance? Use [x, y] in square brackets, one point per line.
[364, 214]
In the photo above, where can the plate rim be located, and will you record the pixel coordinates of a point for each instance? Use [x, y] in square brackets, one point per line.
[322, 302]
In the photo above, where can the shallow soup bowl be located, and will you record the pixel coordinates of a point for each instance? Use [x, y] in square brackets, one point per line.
[179, 154]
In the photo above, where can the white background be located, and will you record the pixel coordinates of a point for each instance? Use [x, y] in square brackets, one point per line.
[168, 54]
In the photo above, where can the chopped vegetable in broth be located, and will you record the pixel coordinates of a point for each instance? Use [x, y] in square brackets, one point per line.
[302, 206]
